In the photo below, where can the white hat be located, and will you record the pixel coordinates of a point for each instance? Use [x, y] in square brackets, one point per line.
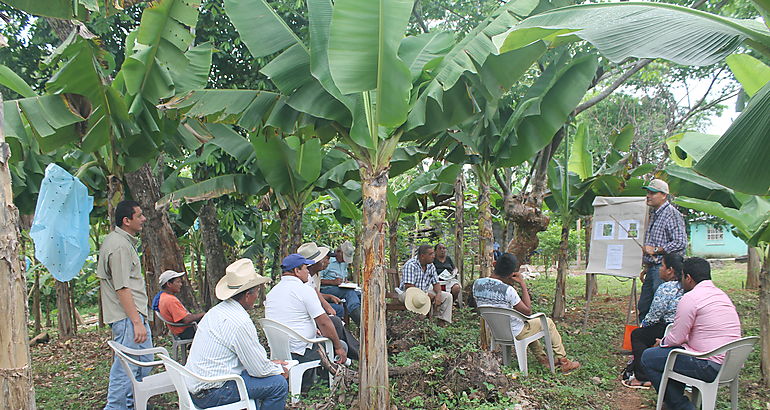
[239, 276]
[312, 251]
[417, 301]
[167, 276]
[657, 185]
[347, 251]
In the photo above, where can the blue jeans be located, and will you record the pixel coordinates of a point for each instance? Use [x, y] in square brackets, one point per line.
[120, 394]
[351, 296]
[650, 285]
[268, 392]
[654, 361]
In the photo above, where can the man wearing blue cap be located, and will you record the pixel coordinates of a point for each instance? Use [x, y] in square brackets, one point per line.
[665, 234]
[296, 305]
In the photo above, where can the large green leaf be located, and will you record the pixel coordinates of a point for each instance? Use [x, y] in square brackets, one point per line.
[640, 29]
[750, 72]
[686, 182]
[245, 108]
[417, 51]
[244, 184]
[363, 54]
[12, 80]
[260, 28]
[50, 119]
[231, 142]
[61, 9]
[195, 75]
[751, 221]
[580, 159]
[739, 159]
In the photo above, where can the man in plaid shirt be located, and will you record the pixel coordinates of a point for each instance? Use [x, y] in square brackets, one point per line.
[665, 234]
[419, 272]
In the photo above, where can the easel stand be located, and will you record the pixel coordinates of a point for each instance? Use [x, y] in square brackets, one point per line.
[630, 310]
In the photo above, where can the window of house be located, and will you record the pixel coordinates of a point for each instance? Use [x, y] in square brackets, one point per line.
[715, 234]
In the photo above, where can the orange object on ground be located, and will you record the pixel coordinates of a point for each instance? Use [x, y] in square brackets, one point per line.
[627, 336]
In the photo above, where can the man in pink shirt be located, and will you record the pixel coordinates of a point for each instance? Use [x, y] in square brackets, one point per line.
[705, 319]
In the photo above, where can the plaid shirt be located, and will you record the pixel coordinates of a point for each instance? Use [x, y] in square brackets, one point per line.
[666, 229]
[412, 273]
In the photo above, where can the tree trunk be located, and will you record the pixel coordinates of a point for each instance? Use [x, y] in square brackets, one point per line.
[16, 388]
[213, 250]
[36, 310]
[460, 225]
[393, 241]
[764, 316]
[374, 391]
[160, 249]
[295, 225]
[67, 327]
[486, 236]
[358, 253]
[560, 298]
[283, 238]
[753, 267]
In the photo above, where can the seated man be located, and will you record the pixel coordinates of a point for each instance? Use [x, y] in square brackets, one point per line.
[335, 274]
[419, 272]
[497, 291]
[171, 309]
[227, 343]
[442, 262]
[705, 319]
[296, 305]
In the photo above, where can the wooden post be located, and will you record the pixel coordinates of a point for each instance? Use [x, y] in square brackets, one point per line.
[460, 225]
[753, 267]
[764, 316]
[64, 316]
[560, 297]
[16, 388]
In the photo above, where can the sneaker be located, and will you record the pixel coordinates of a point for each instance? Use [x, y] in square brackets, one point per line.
[567, 366]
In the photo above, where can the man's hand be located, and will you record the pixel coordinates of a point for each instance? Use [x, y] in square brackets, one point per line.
[342, 356]
[140, 333]
[330, 311]
[332, 298]
[337, 281]
[283, 364]
[648, 250]
[657, 342]
[642, 274]
[437, 299]
[518, 277]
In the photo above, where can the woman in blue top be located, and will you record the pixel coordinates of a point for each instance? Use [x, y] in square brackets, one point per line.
[661, 314]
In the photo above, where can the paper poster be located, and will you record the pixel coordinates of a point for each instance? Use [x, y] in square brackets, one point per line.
[629, 229]
[604, 230]
[614, 257]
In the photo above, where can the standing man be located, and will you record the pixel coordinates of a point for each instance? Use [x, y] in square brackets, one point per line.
[705, 319]
[334, 275]
[124, 299]
[665, 234]
[419, 272]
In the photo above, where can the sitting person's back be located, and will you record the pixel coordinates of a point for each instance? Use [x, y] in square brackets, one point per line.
[171, 308]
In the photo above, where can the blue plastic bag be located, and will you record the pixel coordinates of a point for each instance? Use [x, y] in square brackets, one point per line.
[60, 228]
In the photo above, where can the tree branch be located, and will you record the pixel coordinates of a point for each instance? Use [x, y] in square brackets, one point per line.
[614, 86]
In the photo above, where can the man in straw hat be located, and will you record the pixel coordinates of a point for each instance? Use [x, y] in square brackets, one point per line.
[294, 304]
[320, 257]
[665, 234]
[336, 274]
[419, 272]
[227, 343]
[497, 291]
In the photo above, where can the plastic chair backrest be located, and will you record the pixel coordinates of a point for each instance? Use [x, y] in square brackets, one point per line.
[499, 320]
[177, 372]
[736, 353]
[279, 338]
[123, 353]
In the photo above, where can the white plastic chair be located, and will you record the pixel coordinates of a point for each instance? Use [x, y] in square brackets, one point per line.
[179, 373]
[151, 385]
[179, 346]
[736, 353]
[499, 321]
[278, 338]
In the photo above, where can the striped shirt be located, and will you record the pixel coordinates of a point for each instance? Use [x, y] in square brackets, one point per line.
[666, 229]
[412, 273]
[227, 343]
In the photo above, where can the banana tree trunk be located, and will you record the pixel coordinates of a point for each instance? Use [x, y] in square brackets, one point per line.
[753, 268]
[486, 235]
[393, 240]
[37, 312]
[358, 253]
[560, 298]
[295, 225]
[374, 392]
[764, 316]
[67, 327]
[15, 370]
[460, 225]
[213, 249]
[283, 239]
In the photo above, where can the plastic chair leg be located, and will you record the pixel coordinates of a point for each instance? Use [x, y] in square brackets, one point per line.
[521, 356]
[708, 396]
[661, 392]
[734, 394]
[506, 355]
[295, 385]
[140, 401]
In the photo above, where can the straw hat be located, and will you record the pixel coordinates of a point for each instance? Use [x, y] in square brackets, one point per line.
[347, 251]
[239, 276]
[312, 251]
[417, 301]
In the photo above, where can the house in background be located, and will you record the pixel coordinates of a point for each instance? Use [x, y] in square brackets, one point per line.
[715, 241]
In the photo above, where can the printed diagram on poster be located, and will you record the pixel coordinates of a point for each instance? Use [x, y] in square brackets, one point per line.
[618, 235]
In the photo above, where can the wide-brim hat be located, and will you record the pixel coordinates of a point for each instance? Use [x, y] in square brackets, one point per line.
[239, 276]
[167, 276]
[657, 185]
[347, 251]
[417, 301]
[312, 251]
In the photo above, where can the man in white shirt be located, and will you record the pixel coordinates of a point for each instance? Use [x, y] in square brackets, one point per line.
[296, 305]
[227, 343]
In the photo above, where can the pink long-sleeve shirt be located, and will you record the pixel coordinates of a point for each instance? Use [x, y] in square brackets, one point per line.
[705, 319]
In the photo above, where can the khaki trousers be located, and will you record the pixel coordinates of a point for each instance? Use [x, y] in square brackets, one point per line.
[444, 310]
[533, 326]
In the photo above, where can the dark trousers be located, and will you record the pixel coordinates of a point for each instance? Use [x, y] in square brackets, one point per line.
[654, 360]
[650, 285]
[641, 339]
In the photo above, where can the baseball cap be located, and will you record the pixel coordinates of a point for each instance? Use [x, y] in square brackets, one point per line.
[657, 185]
[167, 276]
[295, 260]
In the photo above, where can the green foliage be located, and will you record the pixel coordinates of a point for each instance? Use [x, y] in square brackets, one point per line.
[550, 239]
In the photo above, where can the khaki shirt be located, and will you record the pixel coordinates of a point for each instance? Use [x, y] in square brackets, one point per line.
[119, 267]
